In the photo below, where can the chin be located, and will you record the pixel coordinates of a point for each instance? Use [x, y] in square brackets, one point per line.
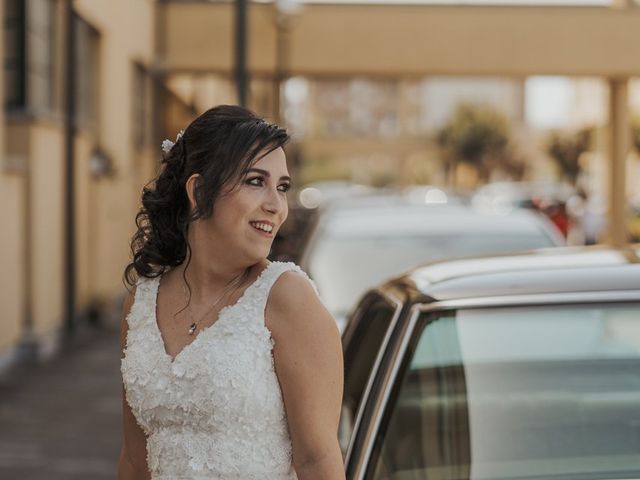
[258, 255]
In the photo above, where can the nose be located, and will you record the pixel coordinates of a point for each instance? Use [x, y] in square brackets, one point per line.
[274, 203]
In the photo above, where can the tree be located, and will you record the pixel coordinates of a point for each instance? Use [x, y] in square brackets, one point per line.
[566, 148]
[477, 135]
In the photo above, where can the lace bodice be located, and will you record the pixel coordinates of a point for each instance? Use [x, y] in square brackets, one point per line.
[216, 410]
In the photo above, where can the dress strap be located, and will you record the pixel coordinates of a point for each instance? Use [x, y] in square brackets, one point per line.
[272, 273]
[143, 309]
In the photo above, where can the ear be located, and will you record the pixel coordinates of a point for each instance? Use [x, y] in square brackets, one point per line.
[190, 187]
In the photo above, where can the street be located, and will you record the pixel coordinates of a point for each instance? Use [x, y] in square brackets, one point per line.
[61, 420]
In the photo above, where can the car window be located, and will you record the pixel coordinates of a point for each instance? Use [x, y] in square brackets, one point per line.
[549, 391]
[345, 267]
[361, 342]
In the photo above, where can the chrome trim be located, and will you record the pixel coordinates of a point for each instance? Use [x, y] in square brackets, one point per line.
[497, 301]
[536, 299]
[381, 401]
[376, 365]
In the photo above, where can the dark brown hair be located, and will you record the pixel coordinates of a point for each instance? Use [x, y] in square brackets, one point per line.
[220, 145]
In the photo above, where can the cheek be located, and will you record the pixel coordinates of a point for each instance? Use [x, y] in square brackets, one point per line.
[239, 203]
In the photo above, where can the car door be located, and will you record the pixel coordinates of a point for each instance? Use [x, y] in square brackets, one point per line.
[500, 389]
[364, 341]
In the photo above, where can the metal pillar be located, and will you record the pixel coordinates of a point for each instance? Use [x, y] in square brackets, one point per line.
[241, 51]
[69, 184]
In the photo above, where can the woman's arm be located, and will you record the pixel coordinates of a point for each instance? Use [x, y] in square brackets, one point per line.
[132, 464]
[308, 362]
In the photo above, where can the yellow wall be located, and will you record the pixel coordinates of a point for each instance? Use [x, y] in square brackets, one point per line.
[11, 255]
[12, 239]
[105, 207]
[46, 159]
[85, 220]
[412, 39]
[126, 29]
[32, 201]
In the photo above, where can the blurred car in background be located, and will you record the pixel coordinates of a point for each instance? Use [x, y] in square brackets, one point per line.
[509, 367]
[431, 194]
[356, 244]
[316, 194]
[303, 212]
[549, 198]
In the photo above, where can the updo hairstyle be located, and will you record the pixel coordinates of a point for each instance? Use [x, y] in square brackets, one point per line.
[220, 145]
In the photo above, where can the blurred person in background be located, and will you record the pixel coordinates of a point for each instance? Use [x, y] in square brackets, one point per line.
[232, 366]
[587, 213]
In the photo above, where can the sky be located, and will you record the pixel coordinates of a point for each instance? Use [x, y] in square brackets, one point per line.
[547, 101]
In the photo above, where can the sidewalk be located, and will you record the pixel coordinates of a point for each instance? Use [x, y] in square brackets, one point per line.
[62, 420]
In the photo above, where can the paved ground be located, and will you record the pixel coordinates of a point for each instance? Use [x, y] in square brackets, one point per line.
[61, 420]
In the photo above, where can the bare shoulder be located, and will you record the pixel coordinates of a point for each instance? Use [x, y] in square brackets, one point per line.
[294, 307]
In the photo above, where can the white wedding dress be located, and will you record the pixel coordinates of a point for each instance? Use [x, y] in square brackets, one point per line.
[216, 410]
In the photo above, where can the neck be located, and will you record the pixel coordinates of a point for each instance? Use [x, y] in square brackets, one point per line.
[207, 276]
[210, 271]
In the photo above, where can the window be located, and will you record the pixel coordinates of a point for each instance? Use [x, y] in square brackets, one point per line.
[142, 115]
[87, 55]
[29, 30]
[14, 53]
[362, 340]
[506, 393]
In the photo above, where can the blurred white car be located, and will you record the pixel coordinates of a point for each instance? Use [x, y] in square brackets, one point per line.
[503, 197]
[357, 244]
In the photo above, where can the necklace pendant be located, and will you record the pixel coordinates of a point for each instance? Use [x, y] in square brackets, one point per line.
[192, 328]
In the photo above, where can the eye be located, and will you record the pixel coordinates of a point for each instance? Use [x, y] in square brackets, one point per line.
[285, 187]
[252, 181]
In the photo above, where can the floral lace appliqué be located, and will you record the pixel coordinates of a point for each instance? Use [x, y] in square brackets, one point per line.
[216, 410]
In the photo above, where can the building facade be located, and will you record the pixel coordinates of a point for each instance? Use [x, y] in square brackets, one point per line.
[69, 183]
[91, 87]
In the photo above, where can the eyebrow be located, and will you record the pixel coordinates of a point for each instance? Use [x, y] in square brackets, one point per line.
[267, 174]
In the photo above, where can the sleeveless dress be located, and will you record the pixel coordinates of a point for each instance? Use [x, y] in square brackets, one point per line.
[216, 410]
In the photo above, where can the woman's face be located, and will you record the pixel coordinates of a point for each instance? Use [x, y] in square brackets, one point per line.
[245, 220]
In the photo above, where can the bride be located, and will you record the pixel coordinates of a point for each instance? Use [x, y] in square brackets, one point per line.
[231, 365]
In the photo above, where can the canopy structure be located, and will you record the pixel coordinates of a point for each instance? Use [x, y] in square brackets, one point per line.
[340, 40]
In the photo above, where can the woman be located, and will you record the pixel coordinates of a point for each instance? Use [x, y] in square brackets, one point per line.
[232, 367]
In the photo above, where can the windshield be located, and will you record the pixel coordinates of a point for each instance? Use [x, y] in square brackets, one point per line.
[344, 268]
[547, 392]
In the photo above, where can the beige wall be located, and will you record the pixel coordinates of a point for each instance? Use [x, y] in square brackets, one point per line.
[105, 207]
[32, 206]
[46, 162]
[11, 255]
[85, 220]
[11, 239]
[126, 29]
[405, 39]
[12, 212]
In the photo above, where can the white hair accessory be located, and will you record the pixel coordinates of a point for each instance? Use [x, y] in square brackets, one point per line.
[167, 144]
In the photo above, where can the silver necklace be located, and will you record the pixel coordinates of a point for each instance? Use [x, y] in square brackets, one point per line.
[194, 324]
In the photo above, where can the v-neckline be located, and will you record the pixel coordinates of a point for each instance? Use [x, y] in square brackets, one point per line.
[223, 310]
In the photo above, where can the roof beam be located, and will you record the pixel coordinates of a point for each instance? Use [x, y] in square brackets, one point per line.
[406, 40]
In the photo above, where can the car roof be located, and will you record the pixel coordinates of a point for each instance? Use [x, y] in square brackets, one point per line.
[552, 270]
[521, 190]
[389, 219]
